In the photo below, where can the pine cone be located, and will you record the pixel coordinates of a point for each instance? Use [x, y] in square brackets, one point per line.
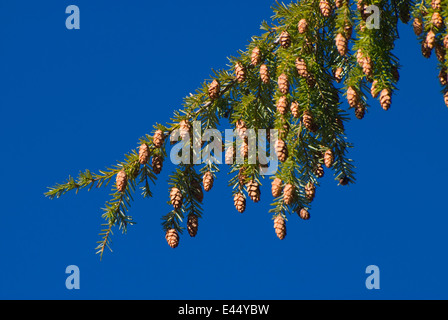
[283, 84]
[445, 98]
[192, 225]
[282, 105]
[158, 139]
[310, 191]
[430, 39]
[302, 26]
[285, 39]
[255, 57]
[295, 109]
[385, 99]
[184, 129]
[348, 30]
[241, 129]
[325, 8]
[395, 73]
[253, 190]
[436, 4]
[196, 190]
[264, 74]
[339, 3]
[302, 68]
[319, 171]
[230, 155]
[343, 181]
[426, 51]
[373, 89]
[443, 77]
[207, 181]
[440, 53]
[176, 198]
[214, 90]
[288, 194]
[172, 237]
[240, 72]
[143, 153]
[338, 75]
[328, 158]
[281, 150]
[367, 67]
[418, 26]
[445, 42]
[242, 178]
[276, 187]
[304, 214]
[308, 121]
[121, 181]
[240, 202]
[341, 44]
[360, 111]
[352, 97]
[280, 227]
[437, 20]
[157, 164]
[244, 150]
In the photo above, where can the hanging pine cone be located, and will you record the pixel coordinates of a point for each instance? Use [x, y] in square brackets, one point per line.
[184, 129]
[426, 51]
[310, 191]
[244, 150]
[302, 68]
[288, 194]
[328, 158]
[348, 30]
[374, 89]
[325, 8]
[360, 111]
[445, 42]
[158, 139]
[157, 164]
[176, 198]
[242, 178]
[280, 227]
[308, 121]
[285, 39]
[352, 97]
[255, 57]
[445, 98]
[196, 190]
[276, 187]
[440, 52]
[283, 83]
[304, 214]
[121, 181]
[295, 109]
[282, 105]
[281, 150]
[241, 129]
[207, 181]
[240, 202]
[418, 26]
[437, 20]
[319, 171]
[338, 75]
[339, 3]
[302, 26]
[172, 237]
[214, 90]
[436, 4]
[341, 44]
[143, 153]
[264, 74]
[430, 39]
[443, 77]
[230, 155]
[240, 72]
[192, 225]
[385, 99]
[253, 190]
[367, 66]
[343, 181]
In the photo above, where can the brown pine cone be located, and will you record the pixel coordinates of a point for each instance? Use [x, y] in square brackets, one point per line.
[426, 50]
[348, 30]
[157, 164]
[339, 3]
[241, 129]
[280, 227]
[143, 153]
[302, 68]
[436, 4]
[373, 89]
[341, 44]
[283, 83]
[437, 20]
[207, 181]
[255, 56]
[440, 52]
[281, 150]
[418, 26]
[184, 129]
[172, 237]
[240, 202]
[319, 171]
[325, 8]
[445, 98]
[338, 75]
[176, 198]
[295, 109]
[343, 181]
[276, 187]
[430, 39]
[192, 225]
[121, 181]
[352, 97]
[360, 111]
[240, 72]
[385, 99]
[214, 90]
[158, 139]
[445, 42]
[308, 121]
[196, 190]
[288, 194]
[310, 191]
[328, 158]
[302, 26]
[282, 105]
[367, 67]
[285, 39]
[304, 214]
[244, 150]
[230, 155]
[443, 77]
[242, 178]
[264, 74]
[253, 190]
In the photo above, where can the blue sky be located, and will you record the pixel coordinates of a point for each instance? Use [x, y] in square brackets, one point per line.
[79, 99]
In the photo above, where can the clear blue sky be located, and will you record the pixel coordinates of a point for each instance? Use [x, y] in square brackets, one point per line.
[77, 99]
